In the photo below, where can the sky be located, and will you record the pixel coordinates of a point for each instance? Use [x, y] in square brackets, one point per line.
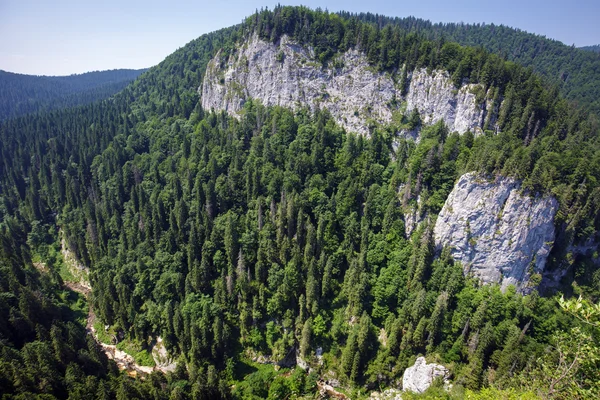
[62, 37]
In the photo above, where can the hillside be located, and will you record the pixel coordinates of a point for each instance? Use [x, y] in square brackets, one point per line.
[26, 94]
[576, 72]
[258, 225]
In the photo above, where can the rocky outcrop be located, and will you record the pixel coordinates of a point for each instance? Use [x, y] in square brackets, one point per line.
[498, 233]
[413, 216]
[289, 75]
[163, 361]
[436, 98]
[79, 271]
[421, 375]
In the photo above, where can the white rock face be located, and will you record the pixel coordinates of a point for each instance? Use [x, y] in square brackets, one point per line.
[436, 98]
[421, 375]
[163, 361]
[288, 75]
[497, 233]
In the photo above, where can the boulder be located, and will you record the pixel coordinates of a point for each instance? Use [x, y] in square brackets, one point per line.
[421, 375]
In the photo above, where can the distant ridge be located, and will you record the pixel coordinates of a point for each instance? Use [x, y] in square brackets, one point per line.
[25, 94]
[575, 71]
[595, 48]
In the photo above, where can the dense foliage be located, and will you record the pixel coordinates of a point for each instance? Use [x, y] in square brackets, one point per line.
[26, 94]
[279, 232]
[45, 351]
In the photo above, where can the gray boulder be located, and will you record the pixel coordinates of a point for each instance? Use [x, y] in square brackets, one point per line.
[421, 375]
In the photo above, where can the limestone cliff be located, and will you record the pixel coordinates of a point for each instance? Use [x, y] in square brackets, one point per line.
[288, 75]
[498, 233]
[436, 98]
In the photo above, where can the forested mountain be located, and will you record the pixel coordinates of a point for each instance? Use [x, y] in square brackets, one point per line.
[595, 48]
[265, 236]
[26, 94]
[576, 72]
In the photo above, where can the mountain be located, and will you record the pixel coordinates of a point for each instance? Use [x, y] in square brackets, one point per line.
[576, 72]
[26, 94]
[307, 189]
[594, 48]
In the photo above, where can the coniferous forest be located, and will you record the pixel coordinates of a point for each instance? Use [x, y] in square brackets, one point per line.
[241, 241]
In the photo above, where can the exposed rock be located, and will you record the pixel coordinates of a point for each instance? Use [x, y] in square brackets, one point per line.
[124, 361]
[42, 267]
[383, 338]
[496, 232]
[301, 362]
[319, 355]
[421, 375]
[411, 220]
[289, 75]
[436, 98]
[328, 391]
[79, 271]
[163, 362]
[413, 217]
[319, 352]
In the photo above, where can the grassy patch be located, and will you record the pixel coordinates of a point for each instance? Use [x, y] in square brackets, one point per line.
[64, 271]
[101, 334]
[50, 255]
[78, 305]
[253, 381]
[141, 357]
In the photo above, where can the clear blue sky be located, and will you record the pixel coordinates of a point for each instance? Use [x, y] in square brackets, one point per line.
[60, 37]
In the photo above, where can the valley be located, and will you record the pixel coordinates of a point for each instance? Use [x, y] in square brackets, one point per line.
[306, 205]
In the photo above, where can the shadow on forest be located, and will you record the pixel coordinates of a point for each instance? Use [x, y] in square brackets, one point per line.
[243, 369]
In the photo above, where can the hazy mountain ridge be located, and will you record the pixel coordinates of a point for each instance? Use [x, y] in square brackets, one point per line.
[595, 48]
[23, 94]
